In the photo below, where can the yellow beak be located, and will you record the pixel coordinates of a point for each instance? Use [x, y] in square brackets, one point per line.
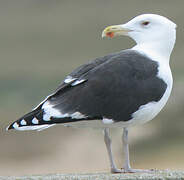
[116, 30]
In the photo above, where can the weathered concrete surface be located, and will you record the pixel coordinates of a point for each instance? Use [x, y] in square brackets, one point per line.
[157, 175]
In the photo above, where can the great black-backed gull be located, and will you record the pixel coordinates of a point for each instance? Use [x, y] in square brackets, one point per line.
[123, 89]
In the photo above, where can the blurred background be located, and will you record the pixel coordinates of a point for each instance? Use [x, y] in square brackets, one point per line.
[41, 41]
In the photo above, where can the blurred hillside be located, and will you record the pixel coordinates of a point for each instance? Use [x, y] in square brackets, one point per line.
[41, 41]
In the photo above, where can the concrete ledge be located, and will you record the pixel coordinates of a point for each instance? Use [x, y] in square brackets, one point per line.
[157, 175]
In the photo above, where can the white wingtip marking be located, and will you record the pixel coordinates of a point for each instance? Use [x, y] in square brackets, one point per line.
[35, 121]
[15, 125]
[23, 122]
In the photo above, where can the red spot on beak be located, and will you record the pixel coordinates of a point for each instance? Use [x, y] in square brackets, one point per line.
[110, 34]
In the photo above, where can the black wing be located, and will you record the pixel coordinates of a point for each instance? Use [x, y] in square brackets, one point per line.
[112, 87]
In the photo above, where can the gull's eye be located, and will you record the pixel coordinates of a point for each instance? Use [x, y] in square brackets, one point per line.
[145, 23]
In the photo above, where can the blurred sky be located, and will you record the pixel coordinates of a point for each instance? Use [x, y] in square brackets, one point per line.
[41, 41]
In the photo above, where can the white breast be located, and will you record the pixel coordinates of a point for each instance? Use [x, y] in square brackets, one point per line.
[148, 111]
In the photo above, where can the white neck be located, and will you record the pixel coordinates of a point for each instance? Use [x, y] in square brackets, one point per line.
[161, 46]
[156, 50]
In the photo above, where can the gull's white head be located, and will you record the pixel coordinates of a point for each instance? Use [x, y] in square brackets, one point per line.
[150, 27]
[151, 30]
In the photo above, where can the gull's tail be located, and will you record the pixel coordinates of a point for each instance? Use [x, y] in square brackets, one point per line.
[31, 121]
